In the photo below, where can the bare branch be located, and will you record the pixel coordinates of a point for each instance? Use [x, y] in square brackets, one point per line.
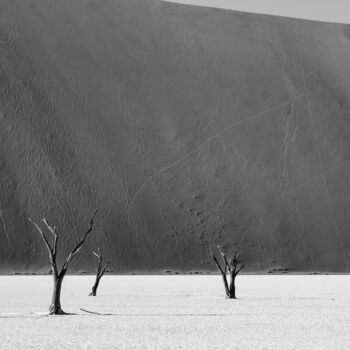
[235, 263]
[69, 259]
[240, 268]
[97, 256]
[77, 248]
[100, 259]
[103, 270]
[218, 265]
[227, 265]
[221, 251]
[48, 246]
[52, 251]
[53, 231]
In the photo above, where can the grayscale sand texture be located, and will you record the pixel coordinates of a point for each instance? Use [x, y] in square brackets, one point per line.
[188, 127]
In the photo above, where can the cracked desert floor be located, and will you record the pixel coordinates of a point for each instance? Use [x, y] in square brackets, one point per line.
[178, 312]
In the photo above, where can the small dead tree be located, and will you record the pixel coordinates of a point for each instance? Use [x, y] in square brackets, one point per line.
[58, 274]
[101, 269]
[231, 267]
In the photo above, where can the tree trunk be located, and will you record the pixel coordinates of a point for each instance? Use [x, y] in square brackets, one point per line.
[232, 294]
[94, 287]
[55, 307]
[224, 280]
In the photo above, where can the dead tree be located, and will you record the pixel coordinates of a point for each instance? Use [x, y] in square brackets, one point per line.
[101, 269]
[231, 267]
[58, 274]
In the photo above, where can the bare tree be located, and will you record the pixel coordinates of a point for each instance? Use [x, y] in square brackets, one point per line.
[101, 269]
[231, 267]
[58, 275]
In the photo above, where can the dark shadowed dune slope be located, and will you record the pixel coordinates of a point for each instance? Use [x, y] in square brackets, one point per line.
[188, 127]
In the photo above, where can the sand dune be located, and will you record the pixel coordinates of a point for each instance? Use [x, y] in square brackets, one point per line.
[188, 127]
[336, 11]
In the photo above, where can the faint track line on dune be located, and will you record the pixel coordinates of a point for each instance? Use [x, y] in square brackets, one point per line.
[326, 172]
[228, 127]
[326, 186]
[206, 142]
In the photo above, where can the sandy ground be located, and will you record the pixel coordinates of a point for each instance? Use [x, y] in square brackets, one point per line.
[178, 312]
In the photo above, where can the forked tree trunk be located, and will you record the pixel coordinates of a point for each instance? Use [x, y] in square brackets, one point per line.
[58, 274]
[55, 307]
[99, 273]
[224, 280]
[232, 289]
[94, 287]
[231, 267]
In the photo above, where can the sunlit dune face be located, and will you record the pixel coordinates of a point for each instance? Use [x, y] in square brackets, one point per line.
[320, 10]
